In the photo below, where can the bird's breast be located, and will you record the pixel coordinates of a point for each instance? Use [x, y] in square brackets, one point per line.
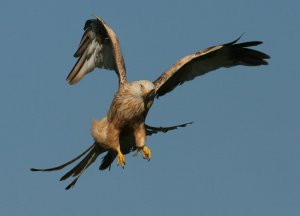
[126, 109]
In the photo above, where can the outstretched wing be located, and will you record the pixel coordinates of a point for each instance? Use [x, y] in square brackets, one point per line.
[153, 130]
[99, 47]
[212, 58]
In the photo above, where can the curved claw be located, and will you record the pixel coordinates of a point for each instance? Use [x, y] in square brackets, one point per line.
[121, 159]
[146, 153]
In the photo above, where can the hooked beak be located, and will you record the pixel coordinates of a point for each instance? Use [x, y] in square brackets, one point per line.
[149, 98]
[150, 95]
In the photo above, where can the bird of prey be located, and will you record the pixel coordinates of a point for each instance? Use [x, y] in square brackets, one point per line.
[123, 129]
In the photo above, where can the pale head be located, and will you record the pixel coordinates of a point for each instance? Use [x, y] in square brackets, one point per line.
[142, 88]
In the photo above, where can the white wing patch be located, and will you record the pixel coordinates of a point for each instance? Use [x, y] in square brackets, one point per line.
[95, 50]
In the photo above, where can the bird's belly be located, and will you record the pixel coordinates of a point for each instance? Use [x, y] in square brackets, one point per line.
[100, 131]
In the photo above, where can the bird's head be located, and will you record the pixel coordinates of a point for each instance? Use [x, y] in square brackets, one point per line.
[144, 90]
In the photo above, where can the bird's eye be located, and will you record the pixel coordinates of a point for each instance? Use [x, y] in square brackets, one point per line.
[142, 86]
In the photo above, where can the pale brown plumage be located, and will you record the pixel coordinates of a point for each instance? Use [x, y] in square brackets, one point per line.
[123, 129]
[93, 151]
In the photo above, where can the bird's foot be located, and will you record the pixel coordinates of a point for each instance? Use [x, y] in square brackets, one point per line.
[146, 153]
[121, 159]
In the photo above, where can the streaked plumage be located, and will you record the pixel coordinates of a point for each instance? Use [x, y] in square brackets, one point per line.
[123, 129]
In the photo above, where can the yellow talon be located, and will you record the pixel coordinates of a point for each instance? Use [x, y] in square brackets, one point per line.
[121, 159]
[146, 153]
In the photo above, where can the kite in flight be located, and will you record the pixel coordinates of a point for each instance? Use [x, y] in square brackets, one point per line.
[123, 129]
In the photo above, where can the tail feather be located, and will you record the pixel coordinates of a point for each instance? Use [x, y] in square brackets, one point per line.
[107, 160]
[93, 152]
[65, 164]
[90, 160]
[84, 163]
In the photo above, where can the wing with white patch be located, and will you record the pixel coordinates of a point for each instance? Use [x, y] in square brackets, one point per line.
[99, 47]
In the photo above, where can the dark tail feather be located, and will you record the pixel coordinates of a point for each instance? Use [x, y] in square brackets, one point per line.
[65, 164]
[85, 162]
[107, 160]
[90, 160]
[93, 152]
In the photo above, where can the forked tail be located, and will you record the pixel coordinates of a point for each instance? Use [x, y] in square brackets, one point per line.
[93, 152]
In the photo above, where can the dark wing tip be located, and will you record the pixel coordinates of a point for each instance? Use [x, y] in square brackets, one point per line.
[153, 130]
[34, 169]
[266, 56]
[236, 40]
[264, 62]
[247, 56]
[88, 23]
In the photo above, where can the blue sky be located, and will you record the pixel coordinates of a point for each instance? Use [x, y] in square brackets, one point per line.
[240, 157]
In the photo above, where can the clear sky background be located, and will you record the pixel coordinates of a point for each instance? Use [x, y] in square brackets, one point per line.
[240, 157]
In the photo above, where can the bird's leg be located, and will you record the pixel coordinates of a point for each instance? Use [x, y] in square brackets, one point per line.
[113, 142]
[121, 158]
[140, 142]
[146, 153]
